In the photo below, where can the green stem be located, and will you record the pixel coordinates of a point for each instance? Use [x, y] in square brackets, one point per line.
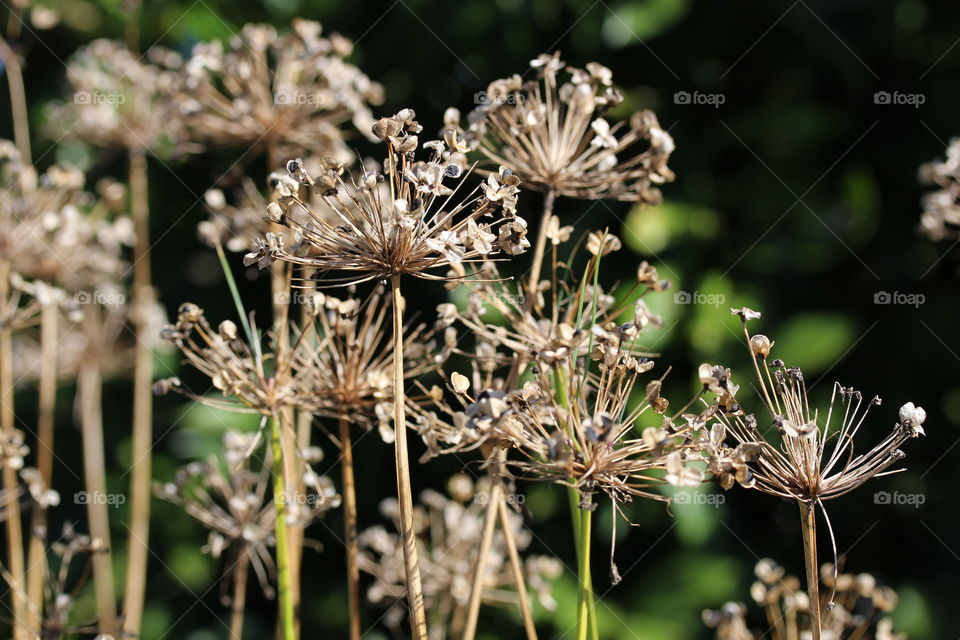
[284, 587]
[585, 590]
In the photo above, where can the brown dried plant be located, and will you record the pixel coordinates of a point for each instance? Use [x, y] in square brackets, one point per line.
[229, 498]
[553, 133]
[858, 612]
[450, 529]
[279, 92]
[941, 207]
[420, 224]
[811, 458]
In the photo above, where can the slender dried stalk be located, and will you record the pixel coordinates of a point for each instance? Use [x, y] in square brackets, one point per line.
[349, 492]
[541, 247]
[418, 619]
[45, 419]
[808, 522]
[18, 99]
[476, 587]
[287, 621]
[138, 549]
[239, 601]
[95, 481]
[517, 570]
[12, 503]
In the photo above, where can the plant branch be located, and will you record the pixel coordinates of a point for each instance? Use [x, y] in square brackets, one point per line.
[808, 522]
[350, 528]
[418, 620]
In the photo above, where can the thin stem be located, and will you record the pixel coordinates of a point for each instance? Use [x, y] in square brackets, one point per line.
[583, 573]
[11, 505]
[45, 418]
[483, 552]
[94, 474]
[287, 622]
[239, 601]
[540, 248]
[517, 569]
[349, 492]
[140, 476]
[418, 619]
[808, 522]
[18, 99]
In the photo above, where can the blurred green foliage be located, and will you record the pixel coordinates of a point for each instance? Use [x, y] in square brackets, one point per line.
[797, 196]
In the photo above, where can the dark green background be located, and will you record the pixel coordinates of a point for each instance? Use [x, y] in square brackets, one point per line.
[797, 197]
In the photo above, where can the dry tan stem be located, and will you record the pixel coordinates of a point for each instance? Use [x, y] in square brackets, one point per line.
[540, 248]
[18, 100]
[95, 481]
[483, 552]
[808, 522]
[418, 618]
[350, 528]
[517, 569]
[10, 485]
[140, 476]
[36, 563]
[239, 601]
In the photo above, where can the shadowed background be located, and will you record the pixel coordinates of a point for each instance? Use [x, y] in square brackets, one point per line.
[796, 195]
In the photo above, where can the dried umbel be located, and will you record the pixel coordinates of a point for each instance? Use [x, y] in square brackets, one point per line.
[422, 225]
[275, 90]
[554, 135]
[347, 363]
[119, 101]
[860, 608]
[250, 380]
[231, 498]
[575, 324]
[941, 207]
[68, 558]
[51, 230]
[449, 530]
[812, 458]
